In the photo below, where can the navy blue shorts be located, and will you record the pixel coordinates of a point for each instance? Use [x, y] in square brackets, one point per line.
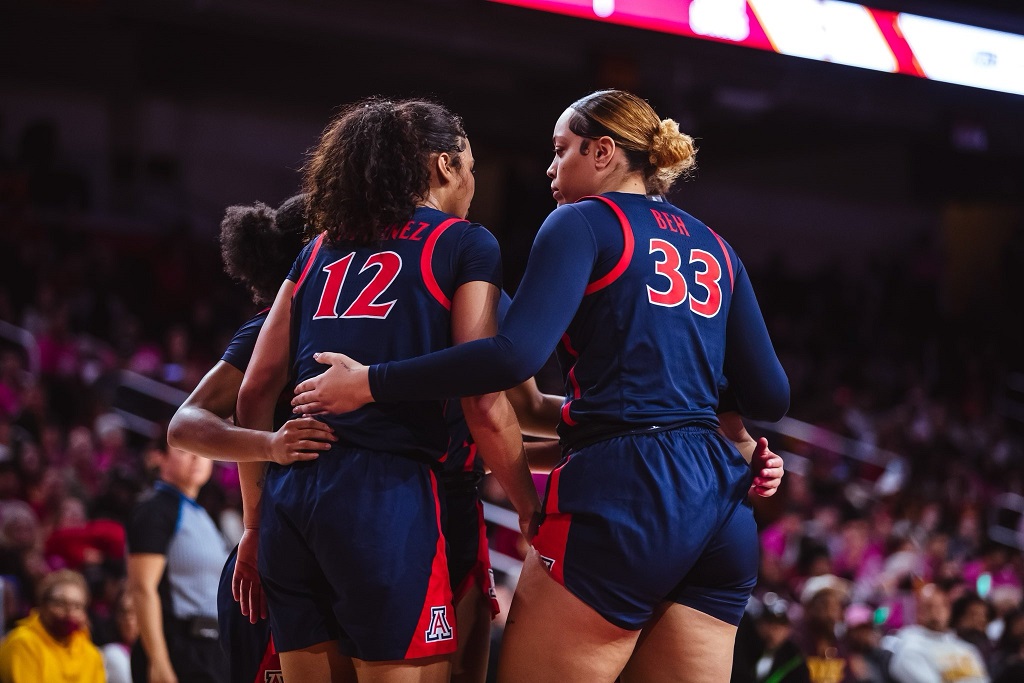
[469, 560]
[635, 521]
[248, 647]
[351, 550]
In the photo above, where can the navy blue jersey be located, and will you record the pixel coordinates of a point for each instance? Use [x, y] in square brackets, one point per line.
[239, 353]
[239, 350]
[388, 301]
[651, 312]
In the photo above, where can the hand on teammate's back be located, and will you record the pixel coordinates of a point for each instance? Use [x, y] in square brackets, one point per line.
[768, 470]
[342, 388]
[299, 440]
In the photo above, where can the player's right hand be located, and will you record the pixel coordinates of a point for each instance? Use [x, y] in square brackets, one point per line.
[245, 583]
[300, 439]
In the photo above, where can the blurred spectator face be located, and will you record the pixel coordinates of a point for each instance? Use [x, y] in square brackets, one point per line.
[774, 632]
[72, 514]
[64, 610]
[933, 608]
[826, 608]
[20, 526]
[185, 470]
[127, 621]
[975, 618]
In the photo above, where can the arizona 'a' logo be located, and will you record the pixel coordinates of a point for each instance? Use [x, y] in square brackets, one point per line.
[273, 676]
[439, 628]
[491, 593]
[549, 562]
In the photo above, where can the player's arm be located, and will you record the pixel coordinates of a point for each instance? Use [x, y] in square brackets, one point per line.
[767, 466]
[538, 413]
[490, 417]
[551, 290]
[544, 456]
[144, 573]
[201, 426]
[263, 382]
[756, 378]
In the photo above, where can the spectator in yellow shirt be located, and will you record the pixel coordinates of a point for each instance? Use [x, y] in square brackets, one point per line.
[52, 644]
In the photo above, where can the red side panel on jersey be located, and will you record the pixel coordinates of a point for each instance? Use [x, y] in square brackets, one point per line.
[627, 250]
[554, 530]
[270, 665]
[435, 631]
[728, 261]
[481, 576]
[426, 262]
[309, 263]
[566, 417]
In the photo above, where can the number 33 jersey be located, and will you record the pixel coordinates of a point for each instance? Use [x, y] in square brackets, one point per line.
[386, 301]
[646, 348]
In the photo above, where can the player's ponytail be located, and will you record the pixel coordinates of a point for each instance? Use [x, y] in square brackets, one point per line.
[259, 244]
[652, 146]
[371, 166]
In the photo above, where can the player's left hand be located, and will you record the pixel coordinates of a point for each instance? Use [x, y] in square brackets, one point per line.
[768, 470]
[246, 587]
[342, 388]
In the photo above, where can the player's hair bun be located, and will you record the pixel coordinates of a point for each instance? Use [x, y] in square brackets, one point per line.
[671, 148]
[672, 155]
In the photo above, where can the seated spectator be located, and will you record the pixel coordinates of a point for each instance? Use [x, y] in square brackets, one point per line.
[765, 650]
[928, 652]
[869, 663]
[21, 558]
[76, 541]
[823, 598]
[117, 657]
[969, 618]
[53, 643]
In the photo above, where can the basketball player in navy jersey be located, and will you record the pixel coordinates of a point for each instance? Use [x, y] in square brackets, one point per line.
[258, 245]
[351, 552]
[646, 524]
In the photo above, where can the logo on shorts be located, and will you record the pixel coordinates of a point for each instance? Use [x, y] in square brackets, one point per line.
[273, 676]
[491, 593]
[439, 628]
[549, 562]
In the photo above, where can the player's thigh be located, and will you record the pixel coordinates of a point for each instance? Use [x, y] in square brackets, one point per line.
[473, 616]
[551, 635]
[681, 645]
[423, 670]
[320, 663]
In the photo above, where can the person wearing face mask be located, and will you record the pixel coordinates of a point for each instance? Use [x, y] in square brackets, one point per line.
[53, 642]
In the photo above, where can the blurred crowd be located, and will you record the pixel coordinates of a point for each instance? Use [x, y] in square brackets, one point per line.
[884, 554]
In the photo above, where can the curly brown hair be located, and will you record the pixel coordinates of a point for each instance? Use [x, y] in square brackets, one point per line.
[259, 244]
[371, 166]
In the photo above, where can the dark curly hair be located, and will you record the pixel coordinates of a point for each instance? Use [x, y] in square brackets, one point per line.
[259, 244]
[371, 166]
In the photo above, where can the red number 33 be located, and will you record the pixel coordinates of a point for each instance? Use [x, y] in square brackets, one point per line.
[678, 292]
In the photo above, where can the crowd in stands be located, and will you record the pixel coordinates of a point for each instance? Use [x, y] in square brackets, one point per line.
[874, 567]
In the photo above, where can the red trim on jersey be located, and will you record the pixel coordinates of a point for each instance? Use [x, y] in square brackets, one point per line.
[728, 261]
[439, 595]
[271, 663]
[481, 575]
[471, 458]
[567, 343]
[627, 249]
[305, 269]
[566, 417]
[554, 529]
[426, 262]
